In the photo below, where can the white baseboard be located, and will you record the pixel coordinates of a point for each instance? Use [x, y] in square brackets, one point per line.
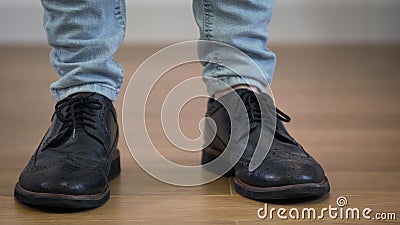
[294, 21]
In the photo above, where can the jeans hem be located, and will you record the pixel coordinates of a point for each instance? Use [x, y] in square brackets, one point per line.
[109, 92]
[222, 83]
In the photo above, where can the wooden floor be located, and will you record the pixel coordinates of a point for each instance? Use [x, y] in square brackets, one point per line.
[344, 101]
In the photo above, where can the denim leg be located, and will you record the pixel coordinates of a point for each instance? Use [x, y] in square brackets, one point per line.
[84, 35]
[241, 24]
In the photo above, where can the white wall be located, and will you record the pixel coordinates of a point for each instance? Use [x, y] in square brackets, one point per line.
[294, 21]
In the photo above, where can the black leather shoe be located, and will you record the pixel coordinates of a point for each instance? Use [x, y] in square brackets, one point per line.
[77, 157]
[286, 172]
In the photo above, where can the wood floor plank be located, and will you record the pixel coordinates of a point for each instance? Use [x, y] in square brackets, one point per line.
[188, 208]
[111, 222]
[344, 105]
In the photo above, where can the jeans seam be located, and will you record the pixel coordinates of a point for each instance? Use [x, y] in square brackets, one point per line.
[218, 60]
[118, 13]
[57, 56]
[207, 22]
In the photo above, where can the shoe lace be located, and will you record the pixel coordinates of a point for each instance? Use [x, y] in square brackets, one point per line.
[77, 112]
[282, 116]
[254, 111]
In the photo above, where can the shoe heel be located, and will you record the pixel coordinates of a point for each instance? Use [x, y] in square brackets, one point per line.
[209, 154]
[115, 168]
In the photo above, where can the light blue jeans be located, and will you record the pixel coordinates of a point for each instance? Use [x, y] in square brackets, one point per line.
[84, 35]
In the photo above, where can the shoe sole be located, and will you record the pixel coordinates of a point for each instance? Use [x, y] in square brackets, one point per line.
[69, 201]
[270, 193]
[282, 192]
